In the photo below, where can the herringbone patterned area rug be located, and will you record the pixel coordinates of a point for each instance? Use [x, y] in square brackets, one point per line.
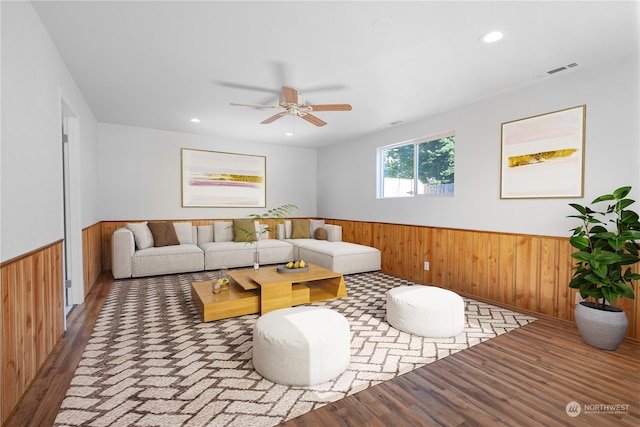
[151, 362]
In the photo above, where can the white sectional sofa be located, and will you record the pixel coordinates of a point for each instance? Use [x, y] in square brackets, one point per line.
[211, 247]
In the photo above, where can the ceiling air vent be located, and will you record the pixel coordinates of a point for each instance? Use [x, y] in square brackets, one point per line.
[556, 70]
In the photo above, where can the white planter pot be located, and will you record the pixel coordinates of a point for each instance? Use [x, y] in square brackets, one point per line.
[602, 329]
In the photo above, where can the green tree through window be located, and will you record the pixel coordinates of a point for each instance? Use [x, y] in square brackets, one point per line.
[431, 160]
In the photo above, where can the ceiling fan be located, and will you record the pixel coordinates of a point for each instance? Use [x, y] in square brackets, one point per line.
[292, 105]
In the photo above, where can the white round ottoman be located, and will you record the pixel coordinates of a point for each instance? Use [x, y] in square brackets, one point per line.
[302, 345]
[427, 311]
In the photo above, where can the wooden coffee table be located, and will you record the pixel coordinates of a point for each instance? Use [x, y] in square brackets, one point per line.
[264, 290]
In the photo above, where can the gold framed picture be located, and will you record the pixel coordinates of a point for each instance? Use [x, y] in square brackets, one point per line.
[543, 156]
[219, 179]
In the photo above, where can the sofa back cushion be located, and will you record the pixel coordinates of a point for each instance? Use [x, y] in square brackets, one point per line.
[185, 232]
[205, 234]
[223, 231]
[141, 234]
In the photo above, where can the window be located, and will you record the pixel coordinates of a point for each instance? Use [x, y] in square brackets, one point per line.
[429, 159]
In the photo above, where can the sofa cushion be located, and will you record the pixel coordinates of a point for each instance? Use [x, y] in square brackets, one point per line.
[240, 254]
[300, 229]
[261, 231]
[247, 232]
[184, 231]
[163, 234]
[341, 257]
[287, 229]
[205, 234]
[167, 260]
[223, 231]
[320, 234]
[141, 234]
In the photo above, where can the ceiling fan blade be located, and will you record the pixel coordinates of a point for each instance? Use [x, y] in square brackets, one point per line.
[290, 95]
[331, 107]
[273, 118]
[235, 104]
[313, 119]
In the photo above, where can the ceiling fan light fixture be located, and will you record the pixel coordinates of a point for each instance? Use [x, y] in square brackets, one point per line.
[491, 36]
[291, 104]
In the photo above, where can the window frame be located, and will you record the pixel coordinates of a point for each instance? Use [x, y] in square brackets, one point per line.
[415, 142]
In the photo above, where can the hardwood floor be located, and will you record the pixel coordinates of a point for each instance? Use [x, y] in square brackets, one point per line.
[523, 378]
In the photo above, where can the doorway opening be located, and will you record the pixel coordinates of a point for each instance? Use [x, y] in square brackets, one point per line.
[73, 280]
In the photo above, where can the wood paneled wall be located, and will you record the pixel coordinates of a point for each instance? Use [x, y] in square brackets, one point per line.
[31, 319]
[524, 271]
[91, 255]
[32, 316]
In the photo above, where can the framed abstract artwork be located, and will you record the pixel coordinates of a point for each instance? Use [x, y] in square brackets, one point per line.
[543, 156]
[218, 179]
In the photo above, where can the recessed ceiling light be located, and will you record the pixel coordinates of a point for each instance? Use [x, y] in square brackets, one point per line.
[288, 134]
[195, 120]
[491, 37]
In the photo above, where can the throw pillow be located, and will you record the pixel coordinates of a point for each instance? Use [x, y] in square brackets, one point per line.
[223, 231]
[246, 224]
[320, 234]
[164, 234]
[300, 229]
[184, 231]
[141, 234]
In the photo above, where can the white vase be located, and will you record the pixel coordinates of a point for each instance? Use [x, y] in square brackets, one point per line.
[256, 260]
[602, 329]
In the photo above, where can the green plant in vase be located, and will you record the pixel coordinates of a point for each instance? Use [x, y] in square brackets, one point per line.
[252, 236]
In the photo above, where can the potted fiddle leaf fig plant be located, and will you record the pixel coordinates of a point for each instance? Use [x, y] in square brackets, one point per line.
[252, 236]
[607, 243]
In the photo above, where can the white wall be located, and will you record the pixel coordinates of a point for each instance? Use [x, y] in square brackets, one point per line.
[347, 172]
[34, 80]
[140, 174]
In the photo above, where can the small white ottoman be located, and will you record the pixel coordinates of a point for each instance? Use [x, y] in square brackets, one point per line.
[302, 345]
[427, 311]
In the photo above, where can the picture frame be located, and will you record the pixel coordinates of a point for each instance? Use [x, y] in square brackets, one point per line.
[220, 179]
[543, 156]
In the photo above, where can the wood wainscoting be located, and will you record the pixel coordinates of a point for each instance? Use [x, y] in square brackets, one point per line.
[523, 271]
[31, 319]
[32, 313]
[91, 255]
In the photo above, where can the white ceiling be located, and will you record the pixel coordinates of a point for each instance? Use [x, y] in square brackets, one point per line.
[157, 64]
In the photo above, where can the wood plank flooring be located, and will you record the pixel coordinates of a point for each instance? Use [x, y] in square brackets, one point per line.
[524, 378]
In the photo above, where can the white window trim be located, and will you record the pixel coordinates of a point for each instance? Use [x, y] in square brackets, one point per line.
[415, 142]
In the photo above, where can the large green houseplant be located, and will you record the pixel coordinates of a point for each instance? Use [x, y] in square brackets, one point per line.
[607, 246]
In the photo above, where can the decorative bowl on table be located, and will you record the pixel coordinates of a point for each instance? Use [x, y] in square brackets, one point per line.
[293, 267]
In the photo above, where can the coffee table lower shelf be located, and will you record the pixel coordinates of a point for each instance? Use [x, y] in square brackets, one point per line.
[234, 302]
